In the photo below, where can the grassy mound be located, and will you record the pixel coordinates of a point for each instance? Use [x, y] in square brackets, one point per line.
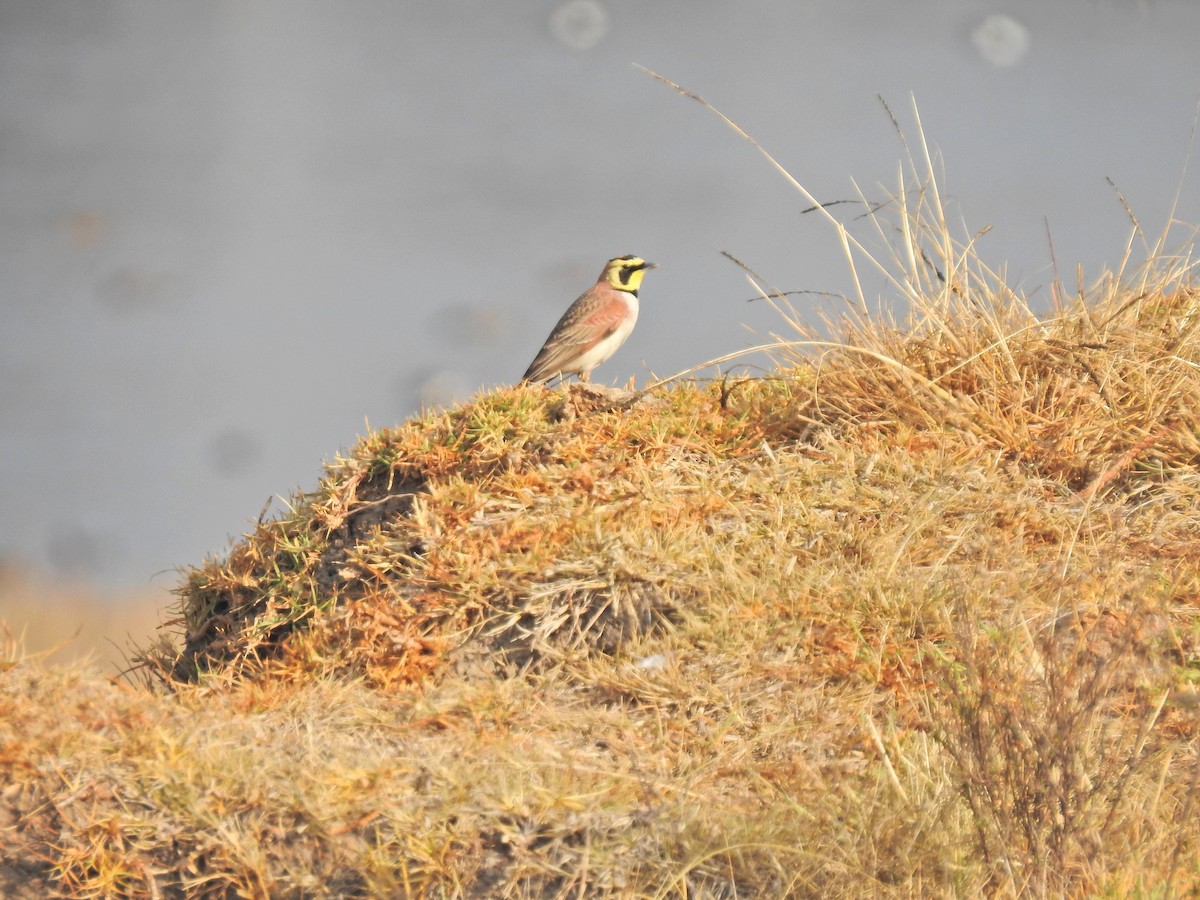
[913, 616]
[497, 533]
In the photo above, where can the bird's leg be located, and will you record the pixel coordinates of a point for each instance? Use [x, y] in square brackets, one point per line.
[585, 376]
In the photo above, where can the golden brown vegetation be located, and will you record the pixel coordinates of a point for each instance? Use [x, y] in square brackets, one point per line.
[62, 621]
[913, 616]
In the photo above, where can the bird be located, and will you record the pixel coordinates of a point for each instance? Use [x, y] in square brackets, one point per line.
[595, 325]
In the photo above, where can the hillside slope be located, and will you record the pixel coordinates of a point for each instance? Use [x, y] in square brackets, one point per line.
[915, 616]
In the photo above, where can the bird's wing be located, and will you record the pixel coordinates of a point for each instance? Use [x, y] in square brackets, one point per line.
[582, 327]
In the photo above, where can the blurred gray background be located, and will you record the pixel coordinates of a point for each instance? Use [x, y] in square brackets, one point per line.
[231, 233]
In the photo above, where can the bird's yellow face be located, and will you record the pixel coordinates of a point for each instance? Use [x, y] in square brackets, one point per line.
[625, 273]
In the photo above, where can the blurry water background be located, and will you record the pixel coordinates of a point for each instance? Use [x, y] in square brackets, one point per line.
[232, 233]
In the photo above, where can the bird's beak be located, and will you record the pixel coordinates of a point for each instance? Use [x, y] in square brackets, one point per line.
[650, 266]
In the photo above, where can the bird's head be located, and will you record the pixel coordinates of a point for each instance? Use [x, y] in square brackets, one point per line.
[625, 273]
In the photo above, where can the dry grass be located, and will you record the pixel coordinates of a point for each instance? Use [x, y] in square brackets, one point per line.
[64, 622]
[914, 616]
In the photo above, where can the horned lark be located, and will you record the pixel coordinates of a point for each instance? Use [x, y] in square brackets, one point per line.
[595, 325]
